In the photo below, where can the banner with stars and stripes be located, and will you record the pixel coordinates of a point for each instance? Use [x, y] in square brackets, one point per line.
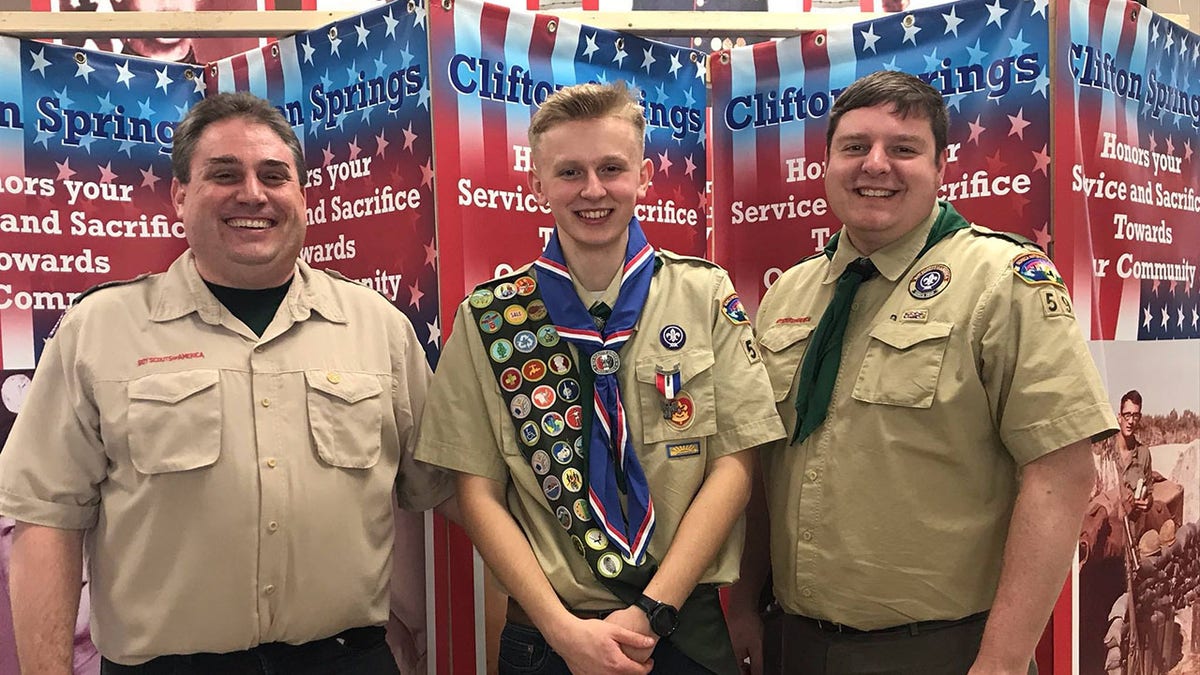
[357, 94]
[1127, 198]
[771, 102]
[492, 67]
[85, 177]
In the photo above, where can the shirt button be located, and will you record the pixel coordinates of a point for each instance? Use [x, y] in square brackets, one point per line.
[269, 589]
[854, 306]
[266, 403]
[333, 378]
[272, 526]
[810, 474]
[806, 592]
[271, 463]
[807, 535]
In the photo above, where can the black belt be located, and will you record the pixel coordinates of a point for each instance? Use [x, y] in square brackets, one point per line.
[910, 628]
[248, 660]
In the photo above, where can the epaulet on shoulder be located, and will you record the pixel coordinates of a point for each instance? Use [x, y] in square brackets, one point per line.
[671, 255]
[490, 283]
[1010, 236]
[814, 256]
[338, 275]
[108, 284]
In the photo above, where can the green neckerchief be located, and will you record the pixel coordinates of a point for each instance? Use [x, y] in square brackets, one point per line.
[820, 367]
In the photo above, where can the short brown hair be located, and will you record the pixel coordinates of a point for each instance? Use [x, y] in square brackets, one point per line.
[223, 106]
[908, 95]
[586, 102]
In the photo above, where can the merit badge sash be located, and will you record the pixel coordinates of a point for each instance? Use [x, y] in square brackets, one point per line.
[540, 382]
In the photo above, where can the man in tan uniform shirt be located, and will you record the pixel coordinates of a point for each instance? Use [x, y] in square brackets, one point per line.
[694, 394]
[225, 438]
[945, 471]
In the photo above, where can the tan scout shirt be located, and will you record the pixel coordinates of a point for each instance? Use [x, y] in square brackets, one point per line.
[896, 509]
[235, 490]
[468, 428]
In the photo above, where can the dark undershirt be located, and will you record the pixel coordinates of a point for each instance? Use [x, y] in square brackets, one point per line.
[255, 307]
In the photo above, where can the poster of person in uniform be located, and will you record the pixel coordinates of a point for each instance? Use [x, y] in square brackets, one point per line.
[179, 49]
[1139, 548]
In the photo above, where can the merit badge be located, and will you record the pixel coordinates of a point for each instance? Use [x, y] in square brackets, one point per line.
[672, 336]
[560, 364]
[929, 282]
[515, 314]
[552, 423]
[668, 382]
[480, 298]
[564, 517]
[543, 396]
[530, 433]
[506, 291]
[1036, 268]
[525, 285]
[537, 310]
[547, 336]
[562, 452]
[568, 389]
[579, 447]
[609, 565]
[490, 322]
[501, 350]
[575, 417]
[732, 306]
[510, 379]
[525, 341]
[605, 362]
[581, 510]
[520, 406]
[751, 350]
[540, 461]
[534, 370]
[552, 487]
[578, 544]
[688, 449]
[572, 480]
[595, 539]
[680, 412]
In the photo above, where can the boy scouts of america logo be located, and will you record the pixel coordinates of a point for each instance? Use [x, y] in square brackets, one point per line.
[605, 362]
[672, 337]
[929, 282]
[680, 411]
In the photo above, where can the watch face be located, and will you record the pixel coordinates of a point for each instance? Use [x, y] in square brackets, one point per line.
[664, 620]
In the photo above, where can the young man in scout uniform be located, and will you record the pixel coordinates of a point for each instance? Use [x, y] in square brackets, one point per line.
[940, 401]
[226, 437]
[602, 453]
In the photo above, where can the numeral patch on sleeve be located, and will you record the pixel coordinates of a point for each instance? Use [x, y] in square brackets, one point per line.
[1055, 302]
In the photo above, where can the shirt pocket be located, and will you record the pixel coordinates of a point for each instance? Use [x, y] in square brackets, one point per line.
[345, 414]
[696, 386]
[902, 364]
[174, 421]
[783, 346]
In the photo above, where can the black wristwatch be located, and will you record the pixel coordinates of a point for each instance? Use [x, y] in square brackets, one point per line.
[664, 618]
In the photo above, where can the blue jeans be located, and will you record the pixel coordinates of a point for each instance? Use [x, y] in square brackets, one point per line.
[523, 651]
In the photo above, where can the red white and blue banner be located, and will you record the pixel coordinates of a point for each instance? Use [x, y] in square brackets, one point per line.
[1127, 202]
[492, 67]
[771, 104]
[85, 176]
[357, 94]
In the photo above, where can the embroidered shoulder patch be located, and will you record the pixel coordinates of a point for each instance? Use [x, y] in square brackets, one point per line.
[1035, 268]
[734, 311]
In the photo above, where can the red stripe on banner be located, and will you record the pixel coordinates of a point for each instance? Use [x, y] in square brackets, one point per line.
[39, 5]
[308, 4]
[866, 5]
[767, 155]
[241, 72]
[462, 605]
[496, 161]
[591, 5]
[446, 162]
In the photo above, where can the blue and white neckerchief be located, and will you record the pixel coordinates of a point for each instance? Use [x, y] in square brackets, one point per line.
[630, 531]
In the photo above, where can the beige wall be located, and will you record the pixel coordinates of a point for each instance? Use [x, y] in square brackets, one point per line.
[1185, 8]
